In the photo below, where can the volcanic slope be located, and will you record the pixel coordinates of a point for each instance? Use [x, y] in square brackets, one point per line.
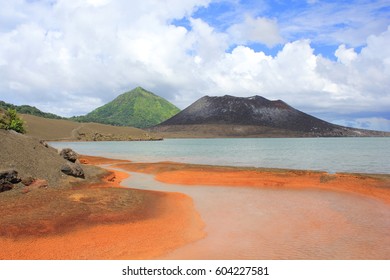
[138, 108]
[66, 130]
[229, 116]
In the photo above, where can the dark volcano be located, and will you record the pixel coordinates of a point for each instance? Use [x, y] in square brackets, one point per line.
[250, 117]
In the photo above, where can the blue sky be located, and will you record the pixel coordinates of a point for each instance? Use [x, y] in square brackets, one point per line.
[296, 19]
[327, 58]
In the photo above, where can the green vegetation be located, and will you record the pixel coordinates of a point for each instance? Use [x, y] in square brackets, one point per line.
[10, 120]
[30, 110]
[138, 108]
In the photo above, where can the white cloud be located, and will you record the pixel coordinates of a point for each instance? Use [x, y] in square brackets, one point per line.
[258, 30]
[344, 55]
[71, 57]
[206, 42]
[336, 22]
[98, 3]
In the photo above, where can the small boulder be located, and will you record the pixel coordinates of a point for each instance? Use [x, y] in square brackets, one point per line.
[7, 179]
[9, 176]
[6, 187]
[28, 181]
[69, 154]
[74, 170]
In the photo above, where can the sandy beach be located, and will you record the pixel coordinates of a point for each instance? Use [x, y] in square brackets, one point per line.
[97, 221]
[203, 212]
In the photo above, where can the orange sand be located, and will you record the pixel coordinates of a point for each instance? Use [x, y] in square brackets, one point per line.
[168, 221]
[114, 177]
[376, 186]
[176, 225]
[99, 160]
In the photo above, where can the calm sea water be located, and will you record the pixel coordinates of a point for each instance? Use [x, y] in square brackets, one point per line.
[367, 155]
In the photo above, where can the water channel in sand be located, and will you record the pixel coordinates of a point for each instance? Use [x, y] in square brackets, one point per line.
[258, 223]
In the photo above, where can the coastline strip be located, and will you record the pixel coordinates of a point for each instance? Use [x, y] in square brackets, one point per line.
[375, 186]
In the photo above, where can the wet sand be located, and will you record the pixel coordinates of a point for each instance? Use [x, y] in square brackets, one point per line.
[374, 185]
[277, 214]
[98, 221]
[175, 226]
[182, 211]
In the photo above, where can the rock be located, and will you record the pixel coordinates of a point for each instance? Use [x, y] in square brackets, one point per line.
[7, 179]
[44, 143]
[36, 184]
[74, 170]
[69, 154]
[9, 176]
[6, 187]
[28, 181]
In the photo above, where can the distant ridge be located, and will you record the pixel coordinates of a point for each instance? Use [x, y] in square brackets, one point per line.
[256, 116]
[138, 108]
[29, 110]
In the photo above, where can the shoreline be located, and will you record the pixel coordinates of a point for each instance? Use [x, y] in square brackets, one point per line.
[319, 156]
[97, 220]
[372, 185]
[254, 213]
[117, 222]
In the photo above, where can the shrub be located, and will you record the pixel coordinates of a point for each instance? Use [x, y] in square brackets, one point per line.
[4, 119]
[11, 121]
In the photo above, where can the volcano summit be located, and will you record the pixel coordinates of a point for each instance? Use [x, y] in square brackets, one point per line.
[256, 116]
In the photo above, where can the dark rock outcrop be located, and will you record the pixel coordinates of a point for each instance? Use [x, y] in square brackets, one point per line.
[74, 170]
[69, 154]
[10, 176]
[6, 187]
[7, 179]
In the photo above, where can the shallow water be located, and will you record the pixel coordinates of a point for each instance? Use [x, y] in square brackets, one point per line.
[365, 155]
[256, 223]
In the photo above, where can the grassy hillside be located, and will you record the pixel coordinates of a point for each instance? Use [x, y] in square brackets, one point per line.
[138, 108]
[30, 110]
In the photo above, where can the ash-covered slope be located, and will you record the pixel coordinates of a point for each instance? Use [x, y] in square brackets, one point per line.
[253, 116]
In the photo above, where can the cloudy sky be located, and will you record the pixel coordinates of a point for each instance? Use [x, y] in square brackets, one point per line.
[327, 58]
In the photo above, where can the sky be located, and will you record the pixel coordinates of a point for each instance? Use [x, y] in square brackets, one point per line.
[330, 59]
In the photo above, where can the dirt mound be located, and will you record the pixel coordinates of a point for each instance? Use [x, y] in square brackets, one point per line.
[65, 130]
[30, 157]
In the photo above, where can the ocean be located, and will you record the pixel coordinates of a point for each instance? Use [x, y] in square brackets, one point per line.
[356, 155]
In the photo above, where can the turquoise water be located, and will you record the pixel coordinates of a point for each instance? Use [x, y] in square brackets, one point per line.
[367, 155]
